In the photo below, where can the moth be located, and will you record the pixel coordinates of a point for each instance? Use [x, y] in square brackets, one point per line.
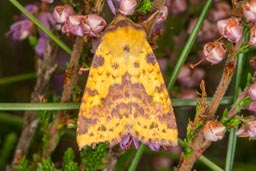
[125, 93]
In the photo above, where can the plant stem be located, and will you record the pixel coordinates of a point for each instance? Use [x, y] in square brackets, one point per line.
[189, 44]
[6, 118]
[210, 164]
[137, 157]
[41, 26]
[7, 148]
[232, 137]
[17, 78]
[75, 106]
[38, 106]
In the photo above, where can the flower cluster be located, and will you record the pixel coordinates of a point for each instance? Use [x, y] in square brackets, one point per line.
[23, 28]
[248, 129]
[79, 25]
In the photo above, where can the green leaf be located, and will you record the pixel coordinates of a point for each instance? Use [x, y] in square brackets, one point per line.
[224, 118]
[46, 165]
[23, 166]
[144, 7]
[69, 163]
[32, 40]
[93, 159]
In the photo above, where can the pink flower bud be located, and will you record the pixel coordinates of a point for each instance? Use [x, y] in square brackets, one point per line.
[41, 46]
[112, 4]
[252, 106]
[252, 92]
[177, 6]
[242, 132]
[248, 130]
[60, 13]
[253, 63]
[214, 52]
[252, 40]
[187, 94]
[127, 7]
[221, 11]
[230, 29]
[48, 1]
[189, 77]
[214, 131]
[252, 129]
[73, 25]
[21, 30]
[47, 20]
[249, 10]
[31, 8]
[93, 24]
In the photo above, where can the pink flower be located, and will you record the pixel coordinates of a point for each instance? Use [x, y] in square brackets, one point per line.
[31, 8]
[214, 131]
[248, 129]
[112, 4]
[252, 129]
[177, 6]
[41, 46]
[127, 7]
[47, 20]
[220, 11]
[253, 63]
[214, 52]
[231, 29]
[252, 40]
[252, 92]
[60, 13]
[190, 77]
[251, 107]
[93, 24]
[249, 10]
[48, 1]
[187, 94]
[73, 25]
[20, 30]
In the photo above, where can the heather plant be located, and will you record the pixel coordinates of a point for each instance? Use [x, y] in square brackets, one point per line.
[205, 51]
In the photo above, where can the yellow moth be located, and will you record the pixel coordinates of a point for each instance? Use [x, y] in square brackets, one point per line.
[125, 94]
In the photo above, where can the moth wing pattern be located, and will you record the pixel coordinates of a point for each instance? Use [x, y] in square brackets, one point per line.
[125, 91]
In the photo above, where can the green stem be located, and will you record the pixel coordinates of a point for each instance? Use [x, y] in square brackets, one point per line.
[189, 44]
[11, 120]
[210, 164]
[232, 137]
[38, 106]
[203, 159]
[75, 106]
[137, 157]
[7, 148]
[17, 78]
[41, 26]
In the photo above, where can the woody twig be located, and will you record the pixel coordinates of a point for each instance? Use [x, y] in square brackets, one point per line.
[46, 68]
[70, 81]
[199, 144]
